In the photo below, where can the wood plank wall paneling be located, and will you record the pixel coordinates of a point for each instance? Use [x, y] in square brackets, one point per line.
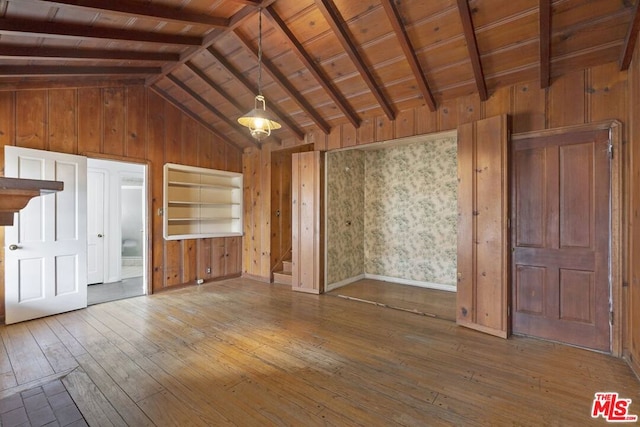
[632, 273]
[130, 124]
[114, 121]
[591, 95]
[90, 120]
[62, 121]
[136, 137]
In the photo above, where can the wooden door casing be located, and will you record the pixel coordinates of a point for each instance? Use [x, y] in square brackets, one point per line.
[561, 197]
[307, 226]
[483, 239]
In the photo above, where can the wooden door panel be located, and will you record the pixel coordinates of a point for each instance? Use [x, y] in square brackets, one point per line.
[576, 196]
[483, 241]
[576, 295]
[218, 251]
[529, 283]
[531, 201]
[307, 226]
[466, 226]
[575, 253]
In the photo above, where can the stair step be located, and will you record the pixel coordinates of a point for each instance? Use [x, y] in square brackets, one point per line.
[286, 266]
[282, 277]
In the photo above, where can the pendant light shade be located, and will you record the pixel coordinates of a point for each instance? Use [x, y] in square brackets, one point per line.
[259, 120]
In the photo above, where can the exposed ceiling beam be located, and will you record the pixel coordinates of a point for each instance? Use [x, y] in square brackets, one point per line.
[545, 43]
[231, 123]
[57, 53]
[339, 27]
[195, 117]
[630, 40]
[74, 82]
[254, 90]
[254, 3]
[405, 43]
[285, 85]
[62, 30]
[230, 99]
[234, 22]
[314, 68]
[144, 10]
[35, 70]
[472, 47]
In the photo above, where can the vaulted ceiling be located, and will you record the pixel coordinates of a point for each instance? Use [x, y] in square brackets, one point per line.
[325, 62]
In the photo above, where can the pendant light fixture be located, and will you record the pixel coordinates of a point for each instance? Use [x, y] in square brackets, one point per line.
[258, 120]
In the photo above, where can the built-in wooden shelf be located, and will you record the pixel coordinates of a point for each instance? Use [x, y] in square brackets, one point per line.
[201, 202]
[15, 193]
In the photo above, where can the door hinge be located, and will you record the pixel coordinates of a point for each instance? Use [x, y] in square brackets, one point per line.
[611, 317]
[610, 149]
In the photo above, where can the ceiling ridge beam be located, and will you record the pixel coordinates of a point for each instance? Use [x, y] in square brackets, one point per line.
[337, 24]
[144, 10]
[405, 43]
[231, 123]
[64, 30]
[254, 91]
[285, 85]
[472, 47]
[208, 41]
[314, 68]
[40, 52]
[544, 26]
[194, 116]
[631, 38]
[198, 72]
[37, 70]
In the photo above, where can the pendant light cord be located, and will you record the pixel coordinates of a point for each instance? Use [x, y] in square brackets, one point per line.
[260, 51]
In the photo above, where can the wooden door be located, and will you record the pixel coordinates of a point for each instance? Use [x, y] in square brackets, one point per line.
[233, 255]
[561, 200]
[225, 253]
[307, 229]
[46, 260]
[483, 238]
[218, 257]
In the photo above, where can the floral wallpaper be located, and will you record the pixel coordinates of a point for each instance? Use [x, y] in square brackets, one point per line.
[411, 211]
[345, 215]
[393, 212]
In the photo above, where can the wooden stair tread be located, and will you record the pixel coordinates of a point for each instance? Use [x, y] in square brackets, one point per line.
[283, 277]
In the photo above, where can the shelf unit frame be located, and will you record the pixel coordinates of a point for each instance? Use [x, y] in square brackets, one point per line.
[201, 203]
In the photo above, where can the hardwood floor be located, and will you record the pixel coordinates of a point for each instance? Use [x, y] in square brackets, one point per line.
[423, 301]
[243, 353]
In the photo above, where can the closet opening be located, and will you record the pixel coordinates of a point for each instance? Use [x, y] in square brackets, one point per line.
[391, 224]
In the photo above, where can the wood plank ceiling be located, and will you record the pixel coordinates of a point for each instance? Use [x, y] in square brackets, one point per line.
[325, 62]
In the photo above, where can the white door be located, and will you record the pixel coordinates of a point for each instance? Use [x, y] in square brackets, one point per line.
[46, 248]
[95, 225]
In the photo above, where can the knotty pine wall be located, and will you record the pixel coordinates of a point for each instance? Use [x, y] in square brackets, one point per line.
[592, 95]
[129, 123]
[633, 285]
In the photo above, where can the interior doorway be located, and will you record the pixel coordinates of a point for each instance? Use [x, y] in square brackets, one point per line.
[116, 230]
[281, 207]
